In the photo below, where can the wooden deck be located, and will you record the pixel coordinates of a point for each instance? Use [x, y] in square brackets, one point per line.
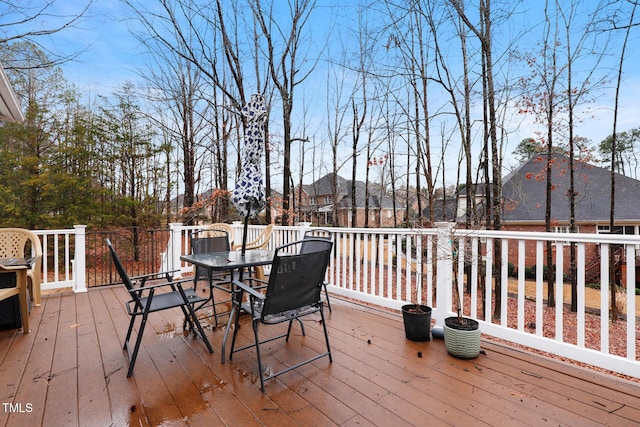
[71, 370]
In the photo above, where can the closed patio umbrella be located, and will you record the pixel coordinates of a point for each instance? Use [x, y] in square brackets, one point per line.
[248, 196]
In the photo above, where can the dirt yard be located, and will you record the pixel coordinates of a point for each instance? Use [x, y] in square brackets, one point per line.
[592, 296]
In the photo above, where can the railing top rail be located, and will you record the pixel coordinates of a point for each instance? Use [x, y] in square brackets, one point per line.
[396, 231]
[52, 232]
[551, 236]
[495, 234]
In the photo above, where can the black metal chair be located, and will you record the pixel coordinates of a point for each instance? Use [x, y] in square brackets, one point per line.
[309, 245]
[145, 300]
[293, 291]
[208, 241]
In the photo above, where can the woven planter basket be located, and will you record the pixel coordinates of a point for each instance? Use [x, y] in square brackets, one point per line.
[462, 341]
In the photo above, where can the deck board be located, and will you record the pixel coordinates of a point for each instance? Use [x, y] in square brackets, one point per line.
[72, 371]
[63, 378]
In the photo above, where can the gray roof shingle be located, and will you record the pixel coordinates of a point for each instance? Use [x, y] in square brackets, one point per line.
[323, 187]
[524, 192]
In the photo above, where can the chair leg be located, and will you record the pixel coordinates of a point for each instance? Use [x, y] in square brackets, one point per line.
[134, 356]
[213, 304]
[259, 273]
[193, 319]
[236, 325]
[145, 313]
[36, 292]
[289, 330]
[260, 370]
[190, 315]
[212, 296]
[291, 324]
[326, 334]
[129, 331]
[21, 276]
[326, 295]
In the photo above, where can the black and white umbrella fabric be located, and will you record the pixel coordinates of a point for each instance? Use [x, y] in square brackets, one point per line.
[248, 196]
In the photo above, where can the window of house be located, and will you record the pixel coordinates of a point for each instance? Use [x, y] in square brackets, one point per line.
[631, 230]
[627, 229]
[312, 201]
[327, 199]
[561, 229]
[565, 229]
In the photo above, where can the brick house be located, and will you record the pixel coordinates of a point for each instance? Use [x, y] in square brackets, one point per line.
[316, 204]
[524, 192]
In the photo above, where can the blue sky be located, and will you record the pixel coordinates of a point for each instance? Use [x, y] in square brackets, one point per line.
[110, 55]
[108, 51]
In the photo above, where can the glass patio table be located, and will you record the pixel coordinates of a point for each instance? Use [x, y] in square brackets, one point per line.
[229, 261]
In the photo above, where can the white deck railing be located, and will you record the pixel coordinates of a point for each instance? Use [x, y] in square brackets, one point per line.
[63, 258]
[393, 267]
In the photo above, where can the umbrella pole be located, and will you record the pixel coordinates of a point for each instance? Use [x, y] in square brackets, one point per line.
[244, 235]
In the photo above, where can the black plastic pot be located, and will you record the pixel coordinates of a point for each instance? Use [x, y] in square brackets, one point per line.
[417, 322]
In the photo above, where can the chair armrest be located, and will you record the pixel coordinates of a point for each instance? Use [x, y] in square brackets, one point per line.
[248, 246]
[249, 289]
[147, 276]
[11, 268]
[159, 285]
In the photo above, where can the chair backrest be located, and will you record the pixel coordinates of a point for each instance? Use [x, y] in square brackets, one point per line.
[261, 242]
[211, 241]
[210, 230]
[296, 279]
[120, 268]
[13, 243]
[22, 243]
[311, 237]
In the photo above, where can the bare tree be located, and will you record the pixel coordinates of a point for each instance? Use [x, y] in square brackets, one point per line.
[17, 18]
[575, 93]
[336, 113]
[177, 86]
[359, 114]
[461, 107]
[284, 68]
[213, 39]
[410, 40]
[483, 32]
[614, 308]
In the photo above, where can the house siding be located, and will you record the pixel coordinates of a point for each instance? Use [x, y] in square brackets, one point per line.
[321, 213]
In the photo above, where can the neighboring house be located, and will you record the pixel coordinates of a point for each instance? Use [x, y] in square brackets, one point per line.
[452, 208]
[446, 209]
[524, 193]
[9, 106]
[524, 206]
[316, 204]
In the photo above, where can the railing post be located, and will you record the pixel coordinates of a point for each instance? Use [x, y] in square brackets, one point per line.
[444, 270]
[304, 227]
[80, 264]
[174, 246]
